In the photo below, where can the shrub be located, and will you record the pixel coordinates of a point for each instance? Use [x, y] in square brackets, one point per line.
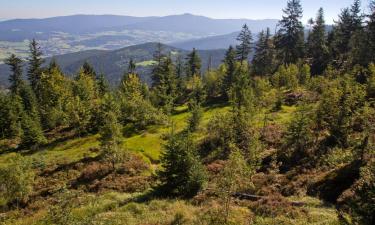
[17, 180]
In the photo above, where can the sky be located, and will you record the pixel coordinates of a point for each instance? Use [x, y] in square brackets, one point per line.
[249, 9]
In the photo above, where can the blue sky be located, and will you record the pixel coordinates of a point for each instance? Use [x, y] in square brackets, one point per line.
[251, 9]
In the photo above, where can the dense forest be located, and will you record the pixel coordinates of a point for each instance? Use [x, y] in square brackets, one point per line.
[286, 136]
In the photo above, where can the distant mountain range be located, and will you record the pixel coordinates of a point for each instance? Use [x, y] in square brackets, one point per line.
[20, 29]
[68, 34]
[113, 63]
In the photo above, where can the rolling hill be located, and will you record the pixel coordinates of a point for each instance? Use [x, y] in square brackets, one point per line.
[113, 63]
[208, 43]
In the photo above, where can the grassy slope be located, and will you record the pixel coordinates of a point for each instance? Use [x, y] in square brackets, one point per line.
[118, 207]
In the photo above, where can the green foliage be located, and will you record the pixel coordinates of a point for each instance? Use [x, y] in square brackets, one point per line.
[241, 94]
[110, 132]
[182, 173]
[232, 129]
[56, 92]
[196, 116]
[318, 51]
[299, 137]
[289, 39]
[304, 74]
[245, 39]
[165, 91]
[213, 81]
[357, 205]
[17, 180]
[10, 112]
[230, 69]
[286, 76]
[15, 78]
[35, 67]
[193, 64]
[135, 108]
[196, 89]
[231, 179]
[371, 82]
[32, 131]
[264, 59]
[337, 107]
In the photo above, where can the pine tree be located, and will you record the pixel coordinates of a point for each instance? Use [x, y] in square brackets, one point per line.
[263, 61]
[371, 30]
[196, 116]
[230, 63]
[166, 91]
[110, 131]
[348, 35]
[88, 69]
[15, 78]
[356, 16]
[33, 135]
[55, 94]
[243, 50]
[103, 85]
[317, 45]
[35, 67]
[159, 53]
[193, 64]
[290, 37]
[157, 71]
[131, 67]
[241, 94]
[183, 175]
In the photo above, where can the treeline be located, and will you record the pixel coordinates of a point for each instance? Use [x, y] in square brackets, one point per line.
[334, 68]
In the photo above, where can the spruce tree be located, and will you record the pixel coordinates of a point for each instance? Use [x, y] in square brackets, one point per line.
[88, 70]
[182, 173]
[110, 131]
[230, 63]
[263, 61]
[35, 67]
[317, 51]
[290, 37]
[157, 71]
[245, 39]
[102, 84]
[131, 67]
[193, 64]
[15, 78]
[371, 30]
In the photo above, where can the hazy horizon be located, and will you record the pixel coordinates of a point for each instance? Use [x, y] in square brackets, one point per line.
[218, 9]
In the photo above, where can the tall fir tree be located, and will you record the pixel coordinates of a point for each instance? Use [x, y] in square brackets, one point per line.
[263, 61]
[243, 49]
[88, 69]
[132, 67]
[110, 131]
[230, 64]
[290, 37]
[157, 72]
[193, 64]
[371, 30]
[15, 78]
[35, 67]
[317, 49]
[166, 91]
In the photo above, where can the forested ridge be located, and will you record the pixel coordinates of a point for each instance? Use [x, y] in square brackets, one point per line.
[286, 136]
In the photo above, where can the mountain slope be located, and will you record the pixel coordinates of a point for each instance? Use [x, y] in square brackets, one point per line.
[114, 63]
[213, 42]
